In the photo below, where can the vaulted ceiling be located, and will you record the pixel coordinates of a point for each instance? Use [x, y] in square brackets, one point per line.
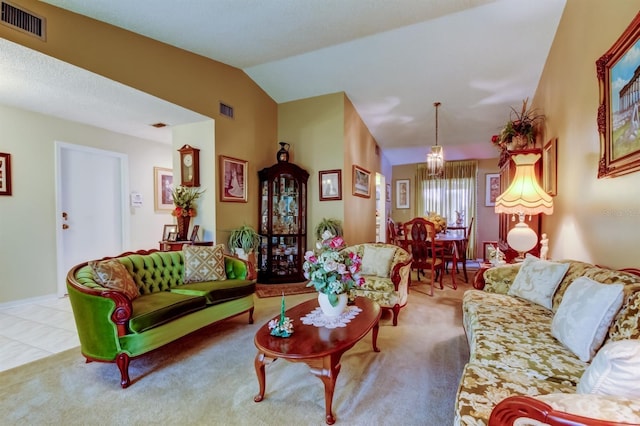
[392, 58]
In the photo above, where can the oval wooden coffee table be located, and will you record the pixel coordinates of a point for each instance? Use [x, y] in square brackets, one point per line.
[320, 348]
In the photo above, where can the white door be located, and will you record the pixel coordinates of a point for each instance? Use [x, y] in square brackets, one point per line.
[91, 205]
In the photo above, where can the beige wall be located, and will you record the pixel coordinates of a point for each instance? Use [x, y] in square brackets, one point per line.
[315, 129]
[594, 220]
[186, 79]
[325, 132]
[360, 149]
[28, 234]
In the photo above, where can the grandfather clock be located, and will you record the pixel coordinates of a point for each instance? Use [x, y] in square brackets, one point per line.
[189, 166]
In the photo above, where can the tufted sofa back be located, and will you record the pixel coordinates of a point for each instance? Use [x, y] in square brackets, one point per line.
[155, 272]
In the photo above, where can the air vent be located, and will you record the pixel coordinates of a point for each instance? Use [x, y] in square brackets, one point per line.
[22, 20]
[226, 110]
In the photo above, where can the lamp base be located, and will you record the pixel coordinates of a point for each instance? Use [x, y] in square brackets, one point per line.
[521, 238]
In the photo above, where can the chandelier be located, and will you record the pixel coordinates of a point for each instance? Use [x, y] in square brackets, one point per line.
[435, 158]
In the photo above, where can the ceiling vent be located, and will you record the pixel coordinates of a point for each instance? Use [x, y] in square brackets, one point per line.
[226, 110]
[22, 20]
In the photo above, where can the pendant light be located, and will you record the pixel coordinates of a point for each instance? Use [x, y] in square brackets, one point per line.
[435, 158]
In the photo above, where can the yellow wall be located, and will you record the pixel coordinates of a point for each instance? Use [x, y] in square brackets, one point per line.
[186, 79]
[361, 150]
[325, 133]
[594, 220]
[315, 129]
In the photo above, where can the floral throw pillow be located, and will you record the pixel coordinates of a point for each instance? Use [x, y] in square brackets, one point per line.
[112, 274]
[202, 263]
[377, 260]
[585, 314]
[615, 370]
[537, 280]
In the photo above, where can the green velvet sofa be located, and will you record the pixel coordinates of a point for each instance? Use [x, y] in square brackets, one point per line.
[113, 327]
[520, 366]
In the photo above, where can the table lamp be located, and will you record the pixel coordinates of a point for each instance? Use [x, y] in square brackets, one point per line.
[524, 196]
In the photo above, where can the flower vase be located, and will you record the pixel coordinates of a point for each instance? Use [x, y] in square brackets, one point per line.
[519, 142]
[183, 227]
[332, 311]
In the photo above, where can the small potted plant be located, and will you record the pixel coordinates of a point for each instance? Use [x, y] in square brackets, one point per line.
[520, 130]
[243, 241]
[334, 226]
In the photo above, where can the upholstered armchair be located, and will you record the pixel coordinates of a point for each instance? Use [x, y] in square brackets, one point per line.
[386, 271]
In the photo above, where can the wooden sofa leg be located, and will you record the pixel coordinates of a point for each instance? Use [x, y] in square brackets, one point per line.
[251, 315]
[123, 365]
[396, 311]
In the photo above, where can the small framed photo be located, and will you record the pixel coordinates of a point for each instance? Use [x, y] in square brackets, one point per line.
[492, 189]
[162, 187]
[402, 194]
[361, 182]
[194, 233]
[233, 179]
[550, 167]
[173, 236]
[330, 184]
[169, 229]
[5, 173]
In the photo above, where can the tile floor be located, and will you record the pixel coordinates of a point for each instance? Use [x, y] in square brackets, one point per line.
[34, 330]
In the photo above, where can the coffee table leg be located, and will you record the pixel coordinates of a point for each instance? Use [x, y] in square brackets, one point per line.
[374, 337]
[260, 361]
[327, 370]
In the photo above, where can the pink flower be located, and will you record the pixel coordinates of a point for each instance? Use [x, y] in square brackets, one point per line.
[336, 242]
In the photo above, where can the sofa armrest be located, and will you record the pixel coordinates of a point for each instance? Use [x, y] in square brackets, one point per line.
[510, 409]
[397, 271]
[242, 269]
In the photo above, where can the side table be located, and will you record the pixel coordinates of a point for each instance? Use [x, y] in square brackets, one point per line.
[177, 245]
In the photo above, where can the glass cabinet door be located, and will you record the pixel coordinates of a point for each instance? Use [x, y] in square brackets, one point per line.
[282, 223]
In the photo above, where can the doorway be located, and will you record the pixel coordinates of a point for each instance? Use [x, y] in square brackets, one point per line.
[381, 208]
[92, 220]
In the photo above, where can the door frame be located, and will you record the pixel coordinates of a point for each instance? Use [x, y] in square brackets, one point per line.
[124, 216]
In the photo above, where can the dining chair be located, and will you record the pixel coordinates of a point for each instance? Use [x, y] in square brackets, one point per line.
[419, 239]
[461, 247]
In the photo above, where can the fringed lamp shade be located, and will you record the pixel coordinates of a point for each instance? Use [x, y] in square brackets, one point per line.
[524, 197]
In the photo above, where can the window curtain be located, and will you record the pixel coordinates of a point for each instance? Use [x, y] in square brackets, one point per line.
[455, 192]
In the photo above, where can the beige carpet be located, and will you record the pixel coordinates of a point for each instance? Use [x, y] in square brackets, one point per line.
[209, 377]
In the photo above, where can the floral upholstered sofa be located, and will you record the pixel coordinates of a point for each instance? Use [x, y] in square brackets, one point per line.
[551, 341]
[386, 271]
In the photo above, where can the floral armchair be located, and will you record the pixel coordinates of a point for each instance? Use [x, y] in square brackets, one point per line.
[386, 271]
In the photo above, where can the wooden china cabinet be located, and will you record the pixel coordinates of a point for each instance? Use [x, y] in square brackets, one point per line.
[282, 223]
[506, 221]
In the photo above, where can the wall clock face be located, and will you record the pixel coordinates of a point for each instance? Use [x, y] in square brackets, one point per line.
[188, 160]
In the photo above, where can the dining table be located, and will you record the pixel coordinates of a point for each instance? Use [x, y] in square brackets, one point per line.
[451, 240]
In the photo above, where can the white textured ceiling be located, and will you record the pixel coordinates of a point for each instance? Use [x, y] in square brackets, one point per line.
[393, 58]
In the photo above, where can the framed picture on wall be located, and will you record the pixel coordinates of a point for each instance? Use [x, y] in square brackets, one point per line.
[162, 185]
[330, 182]
[233, 179]
[5, 173]
[550, 167]
[619, 109]
[492, 188]
[361, 182]
[388, 193]
[402, 194]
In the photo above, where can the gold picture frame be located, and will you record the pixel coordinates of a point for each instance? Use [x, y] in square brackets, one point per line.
[361, 182]
[233, 179]
[550, 167]
[162, 188]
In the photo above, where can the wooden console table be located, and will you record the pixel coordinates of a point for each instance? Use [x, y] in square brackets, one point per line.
[177, 245]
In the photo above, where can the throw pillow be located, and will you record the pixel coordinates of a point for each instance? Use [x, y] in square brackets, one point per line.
[203, 263]
[585, 314]
[112, 274]
[377, 260]
[615, 370]
[537, 280]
